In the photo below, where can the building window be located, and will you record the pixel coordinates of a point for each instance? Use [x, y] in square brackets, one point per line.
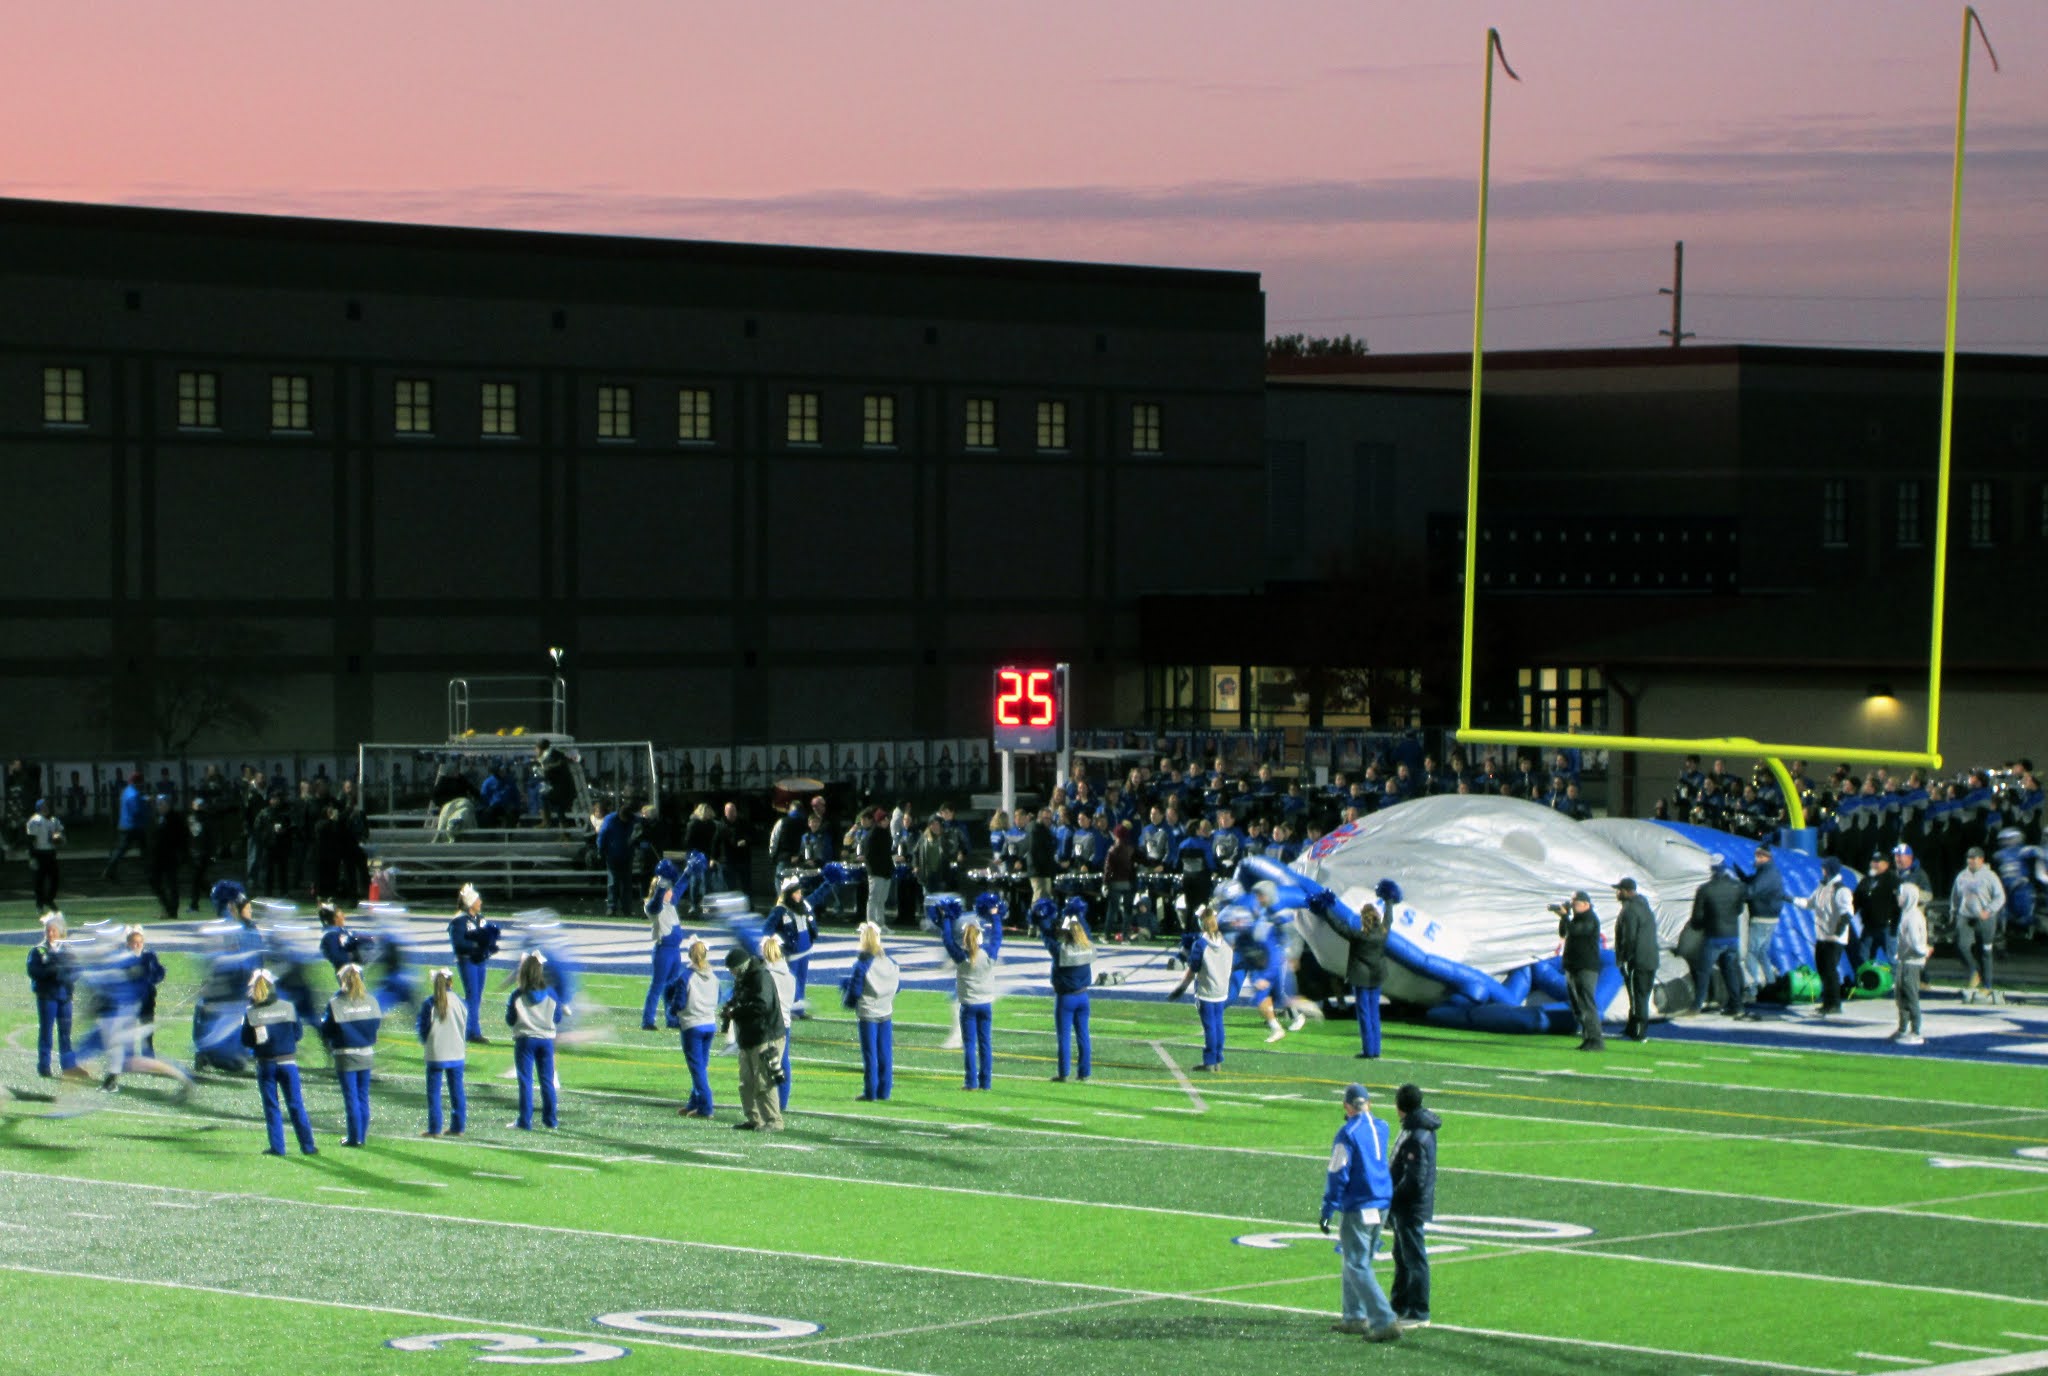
[802, 425]
[1555, 698]
[981, 423]
[501, 408]
[63, 396]
[412, 406]
[291, 404]
[1145, 428]
[693, 415]
[1834, 513]
[198, 401]
[1909, 515]
[1980, 515]
[615, 413]
[1052, 425]
[878, 420]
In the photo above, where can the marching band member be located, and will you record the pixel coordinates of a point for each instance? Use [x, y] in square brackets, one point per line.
[530, 1013]
[975, 945]
[793, 922]
[473, 942]
[349, 1028]
[443, 1033]
[270, 1029]
[871, 992]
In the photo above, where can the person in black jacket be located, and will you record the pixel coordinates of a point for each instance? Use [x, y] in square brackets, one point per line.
[878, 858]
[167, 838]
[1041, 855]
[754, 1014]
[1365, 969]
[1877, 908]
[1579, 926]
[1413, 1167]
[1717, 917]
[1636, 951]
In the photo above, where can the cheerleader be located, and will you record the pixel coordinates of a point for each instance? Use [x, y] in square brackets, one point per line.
[1209, 960]
[975, 946]
[1065, 933]
[666, 929]
[871, 992]
[350, 1030]
[473, 942]
[530, 1013]
[340, 945]
[270, 1029]
[693, 1006]
[443, 1033]
[785, 994]
[792, 922]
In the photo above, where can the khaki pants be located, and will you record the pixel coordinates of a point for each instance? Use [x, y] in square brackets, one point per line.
[758, 1067]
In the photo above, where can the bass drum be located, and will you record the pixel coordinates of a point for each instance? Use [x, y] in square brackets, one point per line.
[789, 792]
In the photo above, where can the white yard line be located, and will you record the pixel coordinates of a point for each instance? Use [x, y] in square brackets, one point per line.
[1180, 1077]
[1888, 1357]
[338, 1189]
[496, 1175]
[1468, 1084]
[1970, 1347]
[1112, 1113]
[1988, 1366]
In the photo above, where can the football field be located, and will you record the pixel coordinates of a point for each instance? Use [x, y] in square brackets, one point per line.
[1677, 1206]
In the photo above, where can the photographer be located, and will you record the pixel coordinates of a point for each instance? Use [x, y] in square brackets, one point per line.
[754, 1013]
[1579, 927]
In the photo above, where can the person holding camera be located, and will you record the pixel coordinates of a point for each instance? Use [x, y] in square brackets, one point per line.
[754, 1014]
[1579, 927]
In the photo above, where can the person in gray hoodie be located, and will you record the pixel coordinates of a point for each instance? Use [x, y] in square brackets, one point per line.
[1976, 902]
[1413, 1167]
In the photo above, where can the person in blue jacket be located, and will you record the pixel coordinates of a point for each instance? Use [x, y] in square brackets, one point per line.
[1065, 933]
[974, 946]
[693, 1007]
[349, 1027]
[132, 825]
[123, 985]
[530, 1013]
[615, 848]
[666, 929]
[792, 922]
[337, 943]
[1357, 1192]
[473, 941]
[270, 1029]
[52, 971]
[870, 991]
[1209, 960]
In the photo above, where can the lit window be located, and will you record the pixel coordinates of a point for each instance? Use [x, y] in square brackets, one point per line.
[1052, 425]
[1834, 513]
[1145, 428]
[981, 423]
[501, 408]
[412, 406]
[198, 401]
[878, 420]
[1909, 515]
[1552, 698]
[1980, 514]
[802, 426]
[693, 415]
[615, 413]
[63, 396]
[291, 405]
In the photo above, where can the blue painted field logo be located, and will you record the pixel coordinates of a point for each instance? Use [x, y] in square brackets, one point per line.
[515, 1349]
[711, 1323]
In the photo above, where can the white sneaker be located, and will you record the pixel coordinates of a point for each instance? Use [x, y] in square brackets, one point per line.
[1277, 1033]
[1298, 1023]
[1910, 1039]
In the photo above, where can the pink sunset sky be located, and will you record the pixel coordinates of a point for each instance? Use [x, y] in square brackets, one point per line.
[1801, 148]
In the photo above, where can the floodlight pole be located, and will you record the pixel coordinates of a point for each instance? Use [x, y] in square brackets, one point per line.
[1948, 380]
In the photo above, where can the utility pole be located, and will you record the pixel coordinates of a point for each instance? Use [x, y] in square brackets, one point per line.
[1677, 334]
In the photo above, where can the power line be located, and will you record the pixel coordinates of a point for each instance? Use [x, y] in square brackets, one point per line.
[1917, 296]
[1364, 316]
[1876, 343]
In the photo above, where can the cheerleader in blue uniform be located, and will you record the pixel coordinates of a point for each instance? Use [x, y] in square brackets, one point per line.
[975, 944]
[870, 991]
[1065, 933]
[270, 1030]
[693, 1007]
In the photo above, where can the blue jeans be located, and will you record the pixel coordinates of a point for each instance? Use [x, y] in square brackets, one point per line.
[668, 964]
[1411, 1267]
[1357, 1240]
[355, 1105]
[1758, 963]
[458, 1101]
[270, 1076]
[877, 1058]
[1212, 1030]
[1368, 1001]
[1723, 953]
[54, 1015]
[1070, 1019]
[534, 1057]
[976, 1019]
[697, 1056]
[474, 974]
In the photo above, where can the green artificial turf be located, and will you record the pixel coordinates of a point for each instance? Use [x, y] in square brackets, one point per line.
[1715, 1208]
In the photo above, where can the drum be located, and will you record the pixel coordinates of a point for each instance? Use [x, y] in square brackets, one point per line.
[789, 792]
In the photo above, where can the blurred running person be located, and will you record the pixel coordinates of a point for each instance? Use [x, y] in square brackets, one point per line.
[443, 1033]
[1209, 959]
[974, 944]
[530, 1013]
[693, 1007]
[270, 1029]
[1065, 934]
[340, 945]
[350, 1030]
[870, 991]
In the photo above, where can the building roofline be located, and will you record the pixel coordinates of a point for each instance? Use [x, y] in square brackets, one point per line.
[324, 232]
[1700, 356]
